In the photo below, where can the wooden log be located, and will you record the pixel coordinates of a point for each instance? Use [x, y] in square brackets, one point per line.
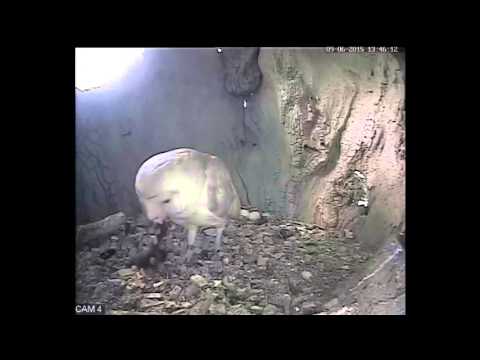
[88, 233]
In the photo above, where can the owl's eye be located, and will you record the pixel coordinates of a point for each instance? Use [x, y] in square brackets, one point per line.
[166, 201]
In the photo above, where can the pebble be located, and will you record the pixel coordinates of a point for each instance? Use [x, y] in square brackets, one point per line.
[332, 303]
[256, 309]
[238, 310]
[261, 261]
[309, 307]
[248, 232]
[115, 281]
[307, 275]
[132, 252]
[269, 310]
[191, 291]
[244, 213]
[175, 292]
[202, 307]
[125, 272]
[249, 259]
[157, 284]
[146, 303]
[154, 296]
[210, 232]
[199, 280]
[218, 309]
[254, 215]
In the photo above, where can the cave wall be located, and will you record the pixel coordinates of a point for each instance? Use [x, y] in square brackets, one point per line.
[311, 120]
[341, 121]
[173, 98]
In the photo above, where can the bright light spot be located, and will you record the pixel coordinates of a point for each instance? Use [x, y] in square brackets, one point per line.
[219, 50]
[95, 67]
[244, 104]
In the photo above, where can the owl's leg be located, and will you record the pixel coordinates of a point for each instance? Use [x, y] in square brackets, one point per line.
[218, 240]
[192, 234]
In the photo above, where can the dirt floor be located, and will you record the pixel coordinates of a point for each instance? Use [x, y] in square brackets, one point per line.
[270, 266]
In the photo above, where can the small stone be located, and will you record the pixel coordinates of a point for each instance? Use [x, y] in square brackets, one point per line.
[157, 284]
[201, 308]
[309, 307]
[226, 260]
[345, 267]
[254, 216]
[199, 280]
[285, 233]
[210, 232]
[132, 252]
[191, 291]
[332, 303]
[146, 303]
[125, 272]
[238, 310]
[262, 261]
[154, 296]
[116, 281]
[270, 310]
[244, 213]
[228, 282]
[217, 283]
[248, 232]
[114, 238]
[107, 254]
[175, 292]
[261, 221]
[293, 285]
[242, 294]
[256, 309]
[307, 275]
[217, 309]
[249, 259]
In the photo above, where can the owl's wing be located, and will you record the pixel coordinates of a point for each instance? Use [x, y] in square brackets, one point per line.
[219, 189]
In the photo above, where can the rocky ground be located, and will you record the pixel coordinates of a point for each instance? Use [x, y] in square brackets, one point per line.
[267, 266]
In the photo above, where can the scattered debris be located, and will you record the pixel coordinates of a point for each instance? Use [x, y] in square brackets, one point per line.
[126, 272]
[154, 296]
[199, 280]
[277, 267]
[307, 275]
